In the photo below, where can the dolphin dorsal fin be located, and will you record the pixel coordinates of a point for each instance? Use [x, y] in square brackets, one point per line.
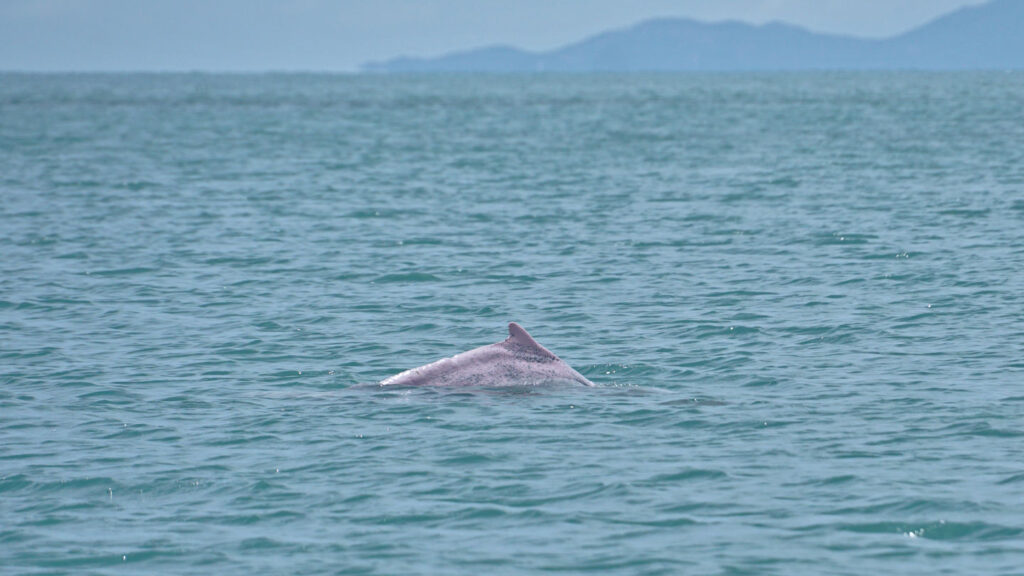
[518, 336]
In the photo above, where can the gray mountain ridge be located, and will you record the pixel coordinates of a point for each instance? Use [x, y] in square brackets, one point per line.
[988, 36]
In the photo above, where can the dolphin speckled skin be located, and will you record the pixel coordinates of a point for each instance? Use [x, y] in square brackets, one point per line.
[519, 360]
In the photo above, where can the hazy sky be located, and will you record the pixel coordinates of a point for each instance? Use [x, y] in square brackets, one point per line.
[342, 34]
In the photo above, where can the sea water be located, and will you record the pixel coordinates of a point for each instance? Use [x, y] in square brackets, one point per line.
[800, 296]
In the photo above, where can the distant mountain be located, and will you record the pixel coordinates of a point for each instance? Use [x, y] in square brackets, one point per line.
[989, 36]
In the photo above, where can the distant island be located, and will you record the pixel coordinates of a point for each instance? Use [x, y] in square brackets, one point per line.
[985, 37]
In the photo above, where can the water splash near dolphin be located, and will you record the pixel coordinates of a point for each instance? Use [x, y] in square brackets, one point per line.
[518, 360]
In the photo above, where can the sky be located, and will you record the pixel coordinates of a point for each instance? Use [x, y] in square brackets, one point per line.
[339, 35]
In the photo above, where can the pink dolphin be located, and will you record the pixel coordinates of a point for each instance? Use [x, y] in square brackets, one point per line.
[517, 360]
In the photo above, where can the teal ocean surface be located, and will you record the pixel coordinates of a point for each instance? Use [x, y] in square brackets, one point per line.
[800, 296]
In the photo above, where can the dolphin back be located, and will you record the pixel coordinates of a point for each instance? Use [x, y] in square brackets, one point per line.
[518, 360]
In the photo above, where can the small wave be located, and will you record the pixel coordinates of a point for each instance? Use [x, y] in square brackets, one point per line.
[939, 530]
[411, 277]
